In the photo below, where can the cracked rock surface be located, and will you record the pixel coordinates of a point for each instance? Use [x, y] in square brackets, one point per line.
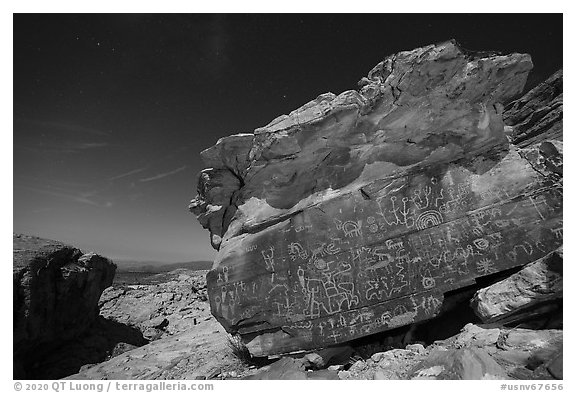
[356, 213]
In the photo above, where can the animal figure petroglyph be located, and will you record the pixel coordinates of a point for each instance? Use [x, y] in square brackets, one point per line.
[296, 250]
[350, 228]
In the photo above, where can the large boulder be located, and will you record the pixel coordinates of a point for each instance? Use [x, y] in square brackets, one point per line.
[538, 282]
[355, 213]
[56, 289]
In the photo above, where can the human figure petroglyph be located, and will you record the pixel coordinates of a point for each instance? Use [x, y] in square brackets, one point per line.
[335, 336]
[417, 198]
[394, 210]
[376, 289]
[439, 198]
[407, 214]
[240, 285]
[268, 256]
[428, 304]
[301, 278]
[316, 299]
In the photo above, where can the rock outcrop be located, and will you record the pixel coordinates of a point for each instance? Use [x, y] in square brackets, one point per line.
[199, 351]
[56, 289]
[172, 306]
[356, 213]
[537, 283]
[537, 116]
[477, 352]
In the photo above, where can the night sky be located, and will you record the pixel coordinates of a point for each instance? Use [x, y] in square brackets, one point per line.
[112, 111]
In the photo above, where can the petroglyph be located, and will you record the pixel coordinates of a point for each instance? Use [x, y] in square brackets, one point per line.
[428, 219]
[485, 266]
[392, 257]
[268, 256]
[295, 250]
[350, 228]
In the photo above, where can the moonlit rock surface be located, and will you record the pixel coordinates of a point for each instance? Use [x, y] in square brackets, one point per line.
[355, 213]
[537, 282]
[56, 291]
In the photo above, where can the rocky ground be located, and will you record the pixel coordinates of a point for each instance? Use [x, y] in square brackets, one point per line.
[408, 230]
[188, 343]
[163, 329]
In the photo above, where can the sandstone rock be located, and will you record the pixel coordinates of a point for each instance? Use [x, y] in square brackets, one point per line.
[327, 356]
[170, 307]
[324, 375]
[203, 346]
[355, 213]
[518, 351]
[537, 282]
[418, 348]
[284, 369]
[458, 364]
[552, 369]
[102, 341]
[537, 116]
[56, 289]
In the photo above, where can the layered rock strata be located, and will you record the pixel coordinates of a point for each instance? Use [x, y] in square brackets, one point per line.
[355, 213]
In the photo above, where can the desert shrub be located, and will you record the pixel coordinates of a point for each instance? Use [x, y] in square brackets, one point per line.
[239, 349]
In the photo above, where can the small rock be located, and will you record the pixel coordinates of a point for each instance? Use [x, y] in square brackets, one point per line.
[358, 366]
[377, 356]
[336, 367]
[344, 374]
[322, 375]
[418, 348]
[379, 375]
[314, 359]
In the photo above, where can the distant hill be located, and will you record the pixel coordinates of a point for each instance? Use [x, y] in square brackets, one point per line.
[158, 267]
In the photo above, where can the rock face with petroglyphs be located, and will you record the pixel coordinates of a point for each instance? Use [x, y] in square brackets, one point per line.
[356, 213]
